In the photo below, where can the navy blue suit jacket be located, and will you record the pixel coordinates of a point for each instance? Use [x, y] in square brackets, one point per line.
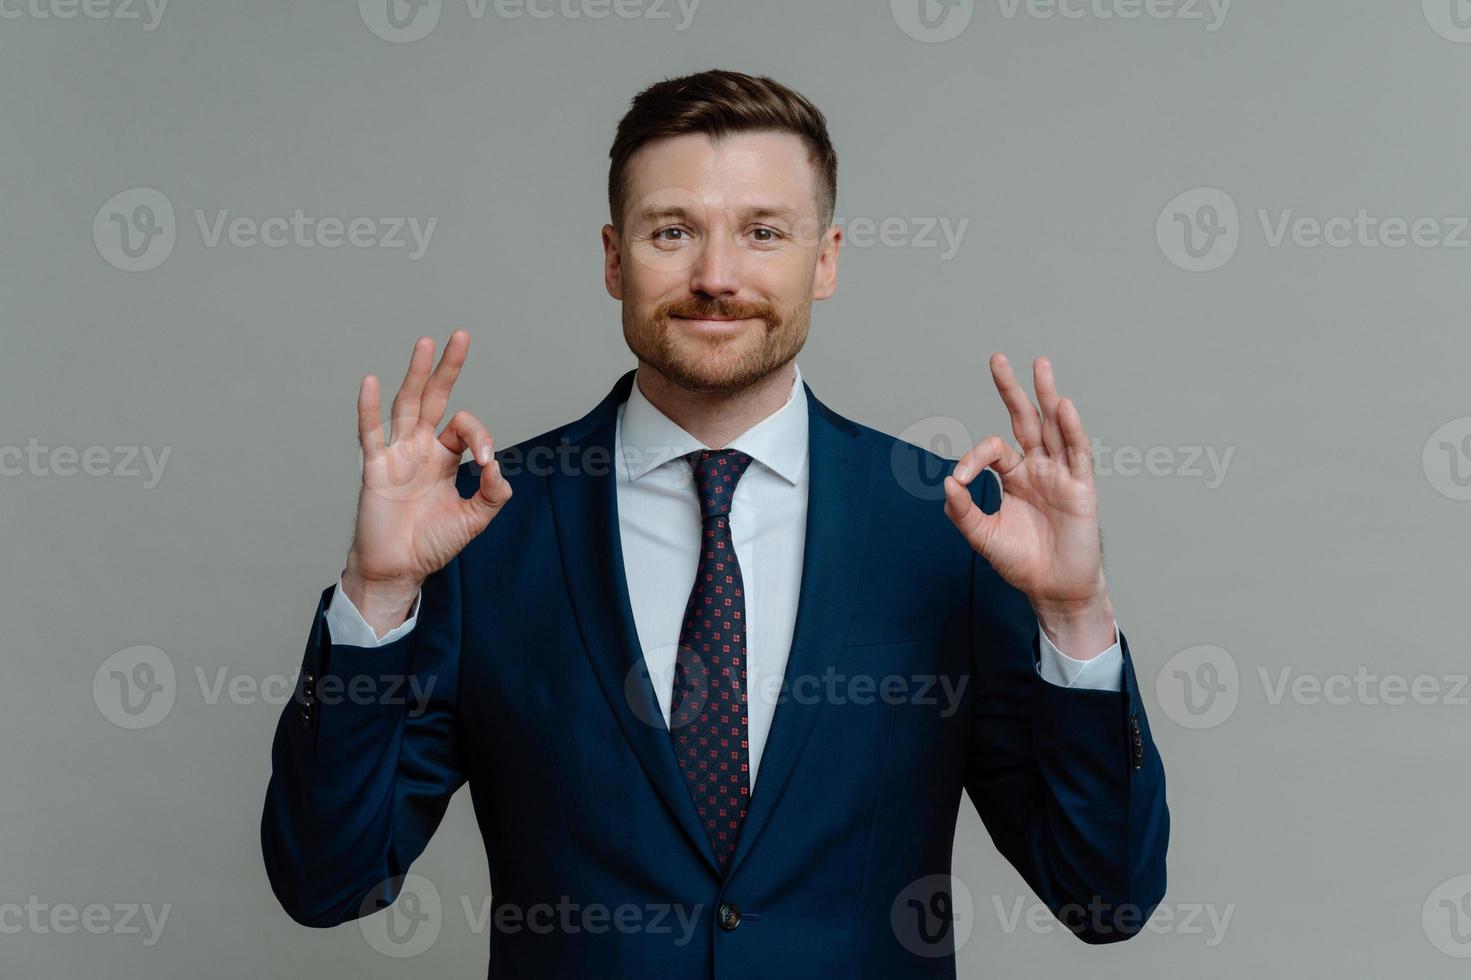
[537, 698]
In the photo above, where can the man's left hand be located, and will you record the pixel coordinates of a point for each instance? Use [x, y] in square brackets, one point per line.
[1044, 538]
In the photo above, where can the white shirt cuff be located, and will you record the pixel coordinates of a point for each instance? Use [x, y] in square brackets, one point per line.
[1104, 672]
[350, 629]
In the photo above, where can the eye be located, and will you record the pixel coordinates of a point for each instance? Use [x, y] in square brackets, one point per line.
[671, 228]
[773, 234]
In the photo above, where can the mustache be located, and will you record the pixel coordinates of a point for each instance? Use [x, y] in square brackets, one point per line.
[720, 308]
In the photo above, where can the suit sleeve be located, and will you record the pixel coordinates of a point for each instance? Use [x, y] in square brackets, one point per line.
[365, 758]
[1067, 781]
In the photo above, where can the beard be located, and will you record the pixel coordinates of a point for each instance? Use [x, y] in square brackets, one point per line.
[715, 365]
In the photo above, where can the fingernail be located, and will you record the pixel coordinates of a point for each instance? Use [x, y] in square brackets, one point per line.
[962, 472]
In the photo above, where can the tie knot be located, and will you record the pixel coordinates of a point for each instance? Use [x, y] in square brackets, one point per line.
[716, 473]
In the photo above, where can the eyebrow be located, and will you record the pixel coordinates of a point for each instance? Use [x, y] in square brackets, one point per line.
[750, 212]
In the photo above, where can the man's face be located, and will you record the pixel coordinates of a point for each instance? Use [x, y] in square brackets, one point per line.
[720, 257]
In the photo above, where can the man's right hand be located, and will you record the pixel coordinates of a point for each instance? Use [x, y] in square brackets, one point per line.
[411, 518]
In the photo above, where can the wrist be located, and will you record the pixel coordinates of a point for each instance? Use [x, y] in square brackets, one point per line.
[379, 600]
[1081, 629]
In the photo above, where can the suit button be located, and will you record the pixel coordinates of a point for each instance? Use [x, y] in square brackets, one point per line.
[729, 916]
[308, 715]
[308, 688]
[1138, 741]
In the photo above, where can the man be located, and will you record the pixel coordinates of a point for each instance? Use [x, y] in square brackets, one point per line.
[714, 649]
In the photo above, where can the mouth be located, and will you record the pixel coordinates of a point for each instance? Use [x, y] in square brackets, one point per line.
[714, 325]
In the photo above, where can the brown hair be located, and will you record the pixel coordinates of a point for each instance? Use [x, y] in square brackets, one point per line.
[719, 103]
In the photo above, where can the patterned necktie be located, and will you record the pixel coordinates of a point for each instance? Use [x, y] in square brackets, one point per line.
[708, 708]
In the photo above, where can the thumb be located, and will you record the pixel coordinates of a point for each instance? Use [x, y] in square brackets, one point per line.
[492, 494]
[972, 522]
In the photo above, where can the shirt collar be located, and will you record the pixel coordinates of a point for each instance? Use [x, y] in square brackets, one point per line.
[779, 442]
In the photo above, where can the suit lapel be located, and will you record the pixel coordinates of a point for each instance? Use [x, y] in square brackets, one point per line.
[839, 499]
[584, 502]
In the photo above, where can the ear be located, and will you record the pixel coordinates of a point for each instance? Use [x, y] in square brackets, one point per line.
[825, 275]
[612, 262]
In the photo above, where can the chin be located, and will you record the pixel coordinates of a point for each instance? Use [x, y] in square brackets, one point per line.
[713, 355]
[708, 371]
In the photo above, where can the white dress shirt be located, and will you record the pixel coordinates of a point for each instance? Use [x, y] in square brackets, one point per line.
[659, 524]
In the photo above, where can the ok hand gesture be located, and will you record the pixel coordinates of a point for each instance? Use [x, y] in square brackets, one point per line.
[1044, 538]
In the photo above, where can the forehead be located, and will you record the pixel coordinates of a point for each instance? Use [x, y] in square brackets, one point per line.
[765, 168]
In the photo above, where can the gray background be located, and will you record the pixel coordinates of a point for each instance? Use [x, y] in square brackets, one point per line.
[1335, 542]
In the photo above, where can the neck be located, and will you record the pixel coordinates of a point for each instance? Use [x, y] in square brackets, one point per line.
[716, 418]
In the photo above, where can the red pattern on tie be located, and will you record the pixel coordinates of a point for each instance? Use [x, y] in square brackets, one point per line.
[708, 710]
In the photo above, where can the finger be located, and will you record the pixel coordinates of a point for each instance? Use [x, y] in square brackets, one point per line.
[492, 495]
[974, 524]
[991, 451]
[370, 426]
[1025, 424]
[1046, 386]
[1079, 449]
[436, 392]
[406, 402]
[465, 431]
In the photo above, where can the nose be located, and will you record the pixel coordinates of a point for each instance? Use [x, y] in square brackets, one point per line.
[716, 270]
